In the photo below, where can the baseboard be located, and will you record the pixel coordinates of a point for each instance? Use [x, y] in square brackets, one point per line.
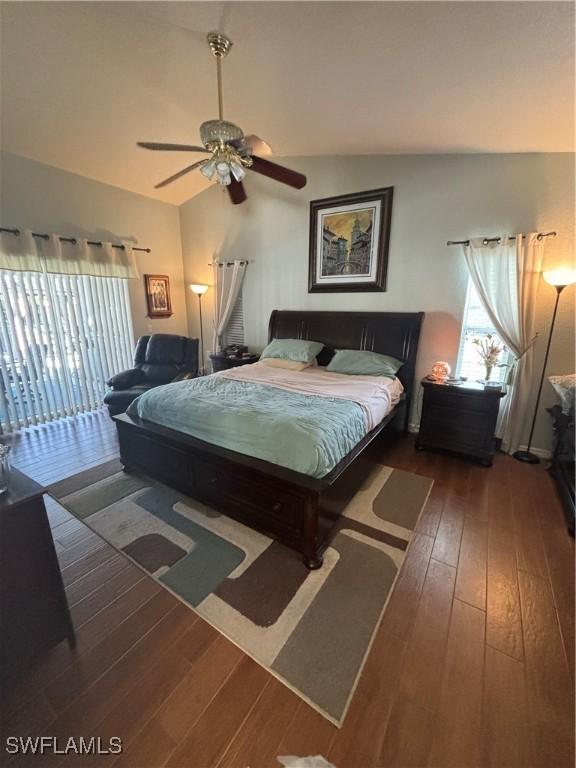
[542, 453]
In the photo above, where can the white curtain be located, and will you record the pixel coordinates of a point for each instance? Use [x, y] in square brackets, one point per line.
[20, 252]
[25, 253]
[228, 278]
[506, 276]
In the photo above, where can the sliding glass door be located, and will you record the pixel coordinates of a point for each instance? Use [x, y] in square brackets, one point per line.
[61, 338]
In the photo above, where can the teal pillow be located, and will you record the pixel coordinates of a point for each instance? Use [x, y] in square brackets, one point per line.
[293, 349]
[362, 362]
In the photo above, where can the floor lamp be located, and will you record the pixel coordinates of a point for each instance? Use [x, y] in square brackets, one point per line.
[560, 279]
[200, 290]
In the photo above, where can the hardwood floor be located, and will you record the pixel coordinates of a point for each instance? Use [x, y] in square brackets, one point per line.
[473, 664]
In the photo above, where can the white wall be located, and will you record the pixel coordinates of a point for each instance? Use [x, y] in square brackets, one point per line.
[436, 198]
[46, 199]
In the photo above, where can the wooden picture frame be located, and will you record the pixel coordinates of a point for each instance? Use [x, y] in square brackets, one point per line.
[349, 240]
[158, 295]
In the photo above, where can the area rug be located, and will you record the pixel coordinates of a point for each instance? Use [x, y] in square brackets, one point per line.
[311, 629]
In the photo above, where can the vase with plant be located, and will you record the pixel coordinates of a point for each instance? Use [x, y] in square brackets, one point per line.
[489, 349]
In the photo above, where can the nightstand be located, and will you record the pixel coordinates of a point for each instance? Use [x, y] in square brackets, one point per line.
[223, 362]
[460, 418]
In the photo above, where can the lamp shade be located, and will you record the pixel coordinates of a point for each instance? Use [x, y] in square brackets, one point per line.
[198, 288]
[560, 277]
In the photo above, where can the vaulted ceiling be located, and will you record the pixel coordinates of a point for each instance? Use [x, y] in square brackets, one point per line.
[82, 82]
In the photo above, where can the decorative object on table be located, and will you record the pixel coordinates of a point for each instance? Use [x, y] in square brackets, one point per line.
[4, 467]
[562, 466]
[460, 418]
[312, 630]
[158, 359]
[349, 238]
[559, 279]
[158, 295]
[440, 371]
[222, 361]
[231, 152]
[489, 350]
[200, 289]
[33, 605]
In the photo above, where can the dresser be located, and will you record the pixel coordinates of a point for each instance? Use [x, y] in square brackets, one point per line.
[460, 418]
[33, 603]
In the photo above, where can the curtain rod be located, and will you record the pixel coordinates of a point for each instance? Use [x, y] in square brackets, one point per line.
[487, 240]
[226, 263]
[98, 243]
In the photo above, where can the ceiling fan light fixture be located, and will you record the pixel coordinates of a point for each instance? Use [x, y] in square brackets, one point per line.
[219, 132]
[237, 171]
[208, 169]
[223, 173]
[231, 152]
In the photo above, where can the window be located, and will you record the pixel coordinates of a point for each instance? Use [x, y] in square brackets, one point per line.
[61, 338]
[476, 324]
[234, 333]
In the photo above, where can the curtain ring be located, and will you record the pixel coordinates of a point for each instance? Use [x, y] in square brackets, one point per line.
[539, 236]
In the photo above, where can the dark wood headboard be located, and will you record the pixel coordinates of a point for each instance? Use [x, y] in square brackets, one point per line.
[389, 333]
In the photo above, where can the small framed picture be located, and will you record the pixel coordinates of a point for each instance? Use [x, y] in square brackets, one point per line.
[158, 295]
[349, 238]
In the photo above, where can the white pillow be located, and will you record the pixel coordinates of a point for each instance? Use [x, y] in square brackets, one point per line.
[289, 365]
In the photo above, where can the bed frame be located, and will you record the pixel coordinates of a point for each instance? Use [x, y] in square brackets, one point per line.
[275, 500]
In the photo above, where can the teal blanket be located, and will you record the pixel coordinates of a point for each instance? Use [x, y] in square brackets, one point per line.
[309, 434]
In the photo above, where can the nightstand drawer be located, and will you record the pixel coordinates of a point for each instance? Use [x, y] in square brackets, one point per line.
[462, 429]
[459, 400]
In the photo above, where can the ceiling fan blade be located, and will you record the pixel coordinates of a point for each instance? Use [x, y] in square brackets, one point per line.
[257, 145]
[170, 147]
[237, 192]
[184, 171]
[278, 172]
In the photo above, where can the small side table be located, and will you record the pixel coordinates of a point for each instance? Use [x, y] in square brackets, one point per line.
[460, 418]
[224, 362]
[33, 605]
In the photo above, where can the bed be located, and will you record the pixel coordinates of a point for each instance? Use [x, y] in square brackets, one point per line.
[277, 490]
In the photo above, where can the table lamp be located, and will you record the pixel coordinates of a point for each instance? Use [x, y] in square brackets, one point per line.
[200, 289]
[560, 279]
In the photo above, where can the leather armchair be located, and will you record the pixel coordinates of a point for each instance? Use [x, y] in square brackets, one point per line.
[158, 359]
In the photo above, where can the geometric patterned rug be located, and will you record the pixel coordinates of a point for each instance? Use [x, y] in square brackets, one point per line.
[311, 629]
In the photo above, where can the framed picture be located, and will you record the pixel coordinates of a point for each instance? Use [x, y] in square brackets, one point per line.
[158, 295]
[349, 238]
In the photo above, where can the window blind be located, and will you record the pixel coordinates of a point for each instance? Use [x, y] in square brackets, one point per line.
[234, 333]
[61, 338]
[476, 324]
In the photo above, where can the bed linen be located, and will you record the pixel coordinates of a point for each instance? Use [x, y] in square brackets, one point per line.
[305, 420]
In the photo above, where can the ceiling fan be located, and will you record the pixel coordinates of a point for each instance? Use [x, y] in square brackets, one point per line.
[230, 151]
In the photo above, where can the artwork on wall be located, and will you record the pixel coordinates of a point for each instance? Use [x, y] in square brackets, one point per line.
[158, 295]
[349, 238]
